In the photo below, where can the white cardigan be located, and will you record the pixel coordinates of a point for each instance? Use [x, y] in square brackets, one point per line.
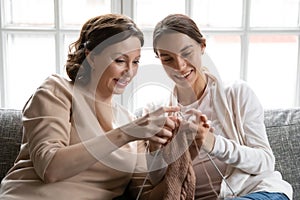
[247, 151]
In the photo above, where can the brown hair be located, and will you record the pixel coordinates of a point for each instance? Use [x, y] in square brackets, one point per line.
[97, 34]
[178, 23]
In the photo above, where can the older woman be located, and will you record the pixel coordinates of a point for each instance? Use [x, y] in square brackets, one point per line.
[78, 143]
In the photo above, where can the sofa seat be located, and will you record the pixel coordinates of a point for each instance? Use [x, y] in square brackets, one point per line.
[282, 125]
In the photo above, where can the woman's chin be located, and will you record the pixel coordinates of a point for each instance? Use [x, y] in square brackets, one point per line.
[184, 83]
[118, 90]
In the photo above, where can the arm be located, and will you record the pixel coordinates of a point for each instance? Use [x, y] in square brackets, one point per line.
[254, 154]
[150, 165]
[47, 128]
[74, 159]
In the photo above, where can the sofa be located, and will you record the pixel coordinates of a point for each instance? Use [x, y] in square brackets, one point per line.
[282, 125]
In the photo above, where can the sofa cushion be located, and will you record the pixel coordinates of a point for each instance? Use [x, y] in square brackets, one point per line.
[282, 125]
[283, 129]
[10, 138]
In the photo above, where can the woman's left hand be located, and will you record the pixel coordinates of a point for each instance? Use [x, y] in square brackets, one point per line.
[156, 126]
[201, 127]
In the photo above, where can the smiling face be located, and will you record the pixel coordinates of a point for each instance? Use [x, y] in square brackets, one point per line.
[181, 57]
[116, 66]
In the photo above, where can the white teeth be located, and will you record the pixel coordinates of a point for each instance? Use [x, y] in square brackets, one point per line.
[184, 75]
[123, 81]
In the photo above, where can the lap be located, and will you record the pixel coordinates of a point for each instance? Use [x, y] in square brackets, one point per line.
[263, 196]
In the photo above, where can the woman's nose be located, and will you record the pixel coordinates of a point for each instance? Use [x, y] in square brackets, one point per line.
[180, 62]
[129, 70]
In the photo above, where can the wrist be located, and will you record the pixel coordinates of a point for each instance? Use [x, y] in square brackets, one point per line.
[152, 148]
[125, 137]
[209, 142]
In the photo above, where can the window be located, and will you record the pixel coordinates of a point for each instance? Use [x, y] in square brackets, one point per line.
[254, 40]
[35, 42]
[274, 78]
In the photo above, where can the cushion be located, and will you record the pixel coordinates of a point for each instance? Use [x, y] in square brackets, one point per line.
[283, 129]
[10, 138]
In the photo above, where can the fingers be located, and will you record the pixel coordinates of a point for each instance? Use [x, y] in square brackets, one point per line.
[168, 131]
[199, 118]
[169, 109]
[164, 110]
[171, 123]
[206, 124]
[160, 129]
[157, 121]
[162, 137]
[199, 126]
[166, 134]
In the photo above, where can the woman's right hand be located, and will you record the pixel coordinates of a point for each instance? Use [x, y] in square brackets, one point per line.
[157, 127]
[165, 135]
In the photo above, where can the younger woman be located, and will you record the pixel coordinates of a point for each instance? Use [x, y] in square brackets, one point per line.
[230, 156]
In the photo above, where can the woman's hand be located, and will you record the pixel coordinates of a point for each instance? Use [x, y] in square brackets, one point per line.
[200, 130]
[157, 126]
[201, 124]
[165, 135]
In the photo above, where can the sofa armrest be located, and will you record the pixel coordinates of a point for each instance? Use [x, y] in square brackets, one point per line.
[10, 138]
[283, 129]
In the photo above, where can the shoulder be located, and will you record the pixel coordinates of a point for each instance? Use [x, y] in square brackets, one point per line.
[55, 89]
[239, 88]
[240, 94]
[58, 87]
[56, 82]
[238, 85]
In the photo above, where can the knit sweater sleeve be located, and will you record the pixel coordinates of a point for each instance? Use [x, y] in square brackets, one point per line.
[46, 122]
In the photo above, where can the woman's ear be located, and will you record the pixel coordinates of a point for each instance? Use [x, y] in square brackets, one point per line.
[203, 45]
[90, 57]
[202, 49]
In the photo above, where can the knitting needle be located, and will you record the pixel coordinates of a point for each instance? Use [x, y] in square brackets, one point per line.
[150, 168]
[211, 160]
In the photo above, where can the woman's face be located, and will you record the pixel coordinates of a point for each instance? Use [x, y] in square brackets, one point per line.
[181, 57]
[115, 66]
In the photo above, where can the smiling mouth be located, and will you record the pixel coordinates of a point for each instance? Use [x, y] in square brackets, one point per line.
[185, 75]
[122, 82]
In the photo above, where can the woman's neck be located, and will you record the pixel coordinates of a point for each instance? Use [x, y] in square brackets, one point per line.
[104, 115]
[103, 106]
[187, 96]
[101, 97]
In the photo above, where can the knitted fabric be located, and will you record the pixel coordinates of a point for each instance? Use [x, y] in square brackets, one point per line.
[180, 177]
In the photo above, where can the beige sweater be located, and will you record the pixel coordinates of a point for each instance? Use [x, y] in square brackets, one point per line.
[49, 124]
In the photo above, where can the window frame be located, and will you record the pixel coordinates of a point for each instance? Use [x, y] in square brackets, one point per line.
[128, 7]
[58, 31]
[245, 31]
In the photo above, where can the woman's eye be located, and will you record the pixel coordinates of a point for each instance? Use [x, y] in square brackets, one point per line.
[119, 60]
[166, 59]
[136, 62]
[184, 55]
